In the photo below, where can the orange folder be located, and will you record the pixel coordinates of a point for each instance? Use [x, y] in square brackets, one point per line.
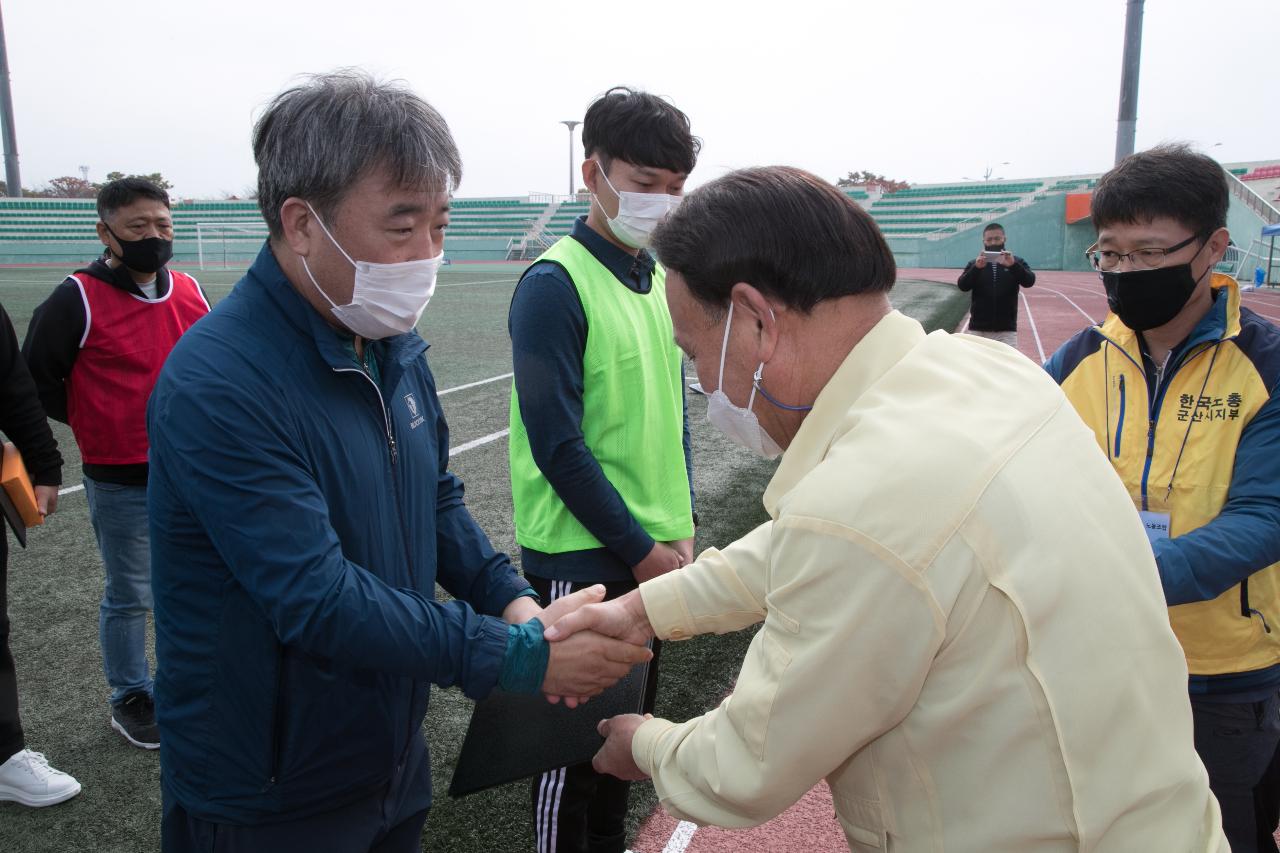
[17, 486]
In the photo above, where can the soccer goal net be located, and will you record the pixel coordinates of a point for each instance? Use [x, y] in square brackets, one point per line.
[225, 244]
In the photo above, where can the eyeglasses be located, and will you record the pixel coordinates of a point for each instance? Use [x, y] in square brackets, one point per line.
[1140, 259]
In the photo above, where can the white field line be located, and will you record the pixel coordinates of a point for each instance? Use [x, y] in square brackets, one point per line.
[497, 378]
[507, 280]
[1073, 304]
[1034, 333]
[479, 442]
[681, 837]
[452, 452]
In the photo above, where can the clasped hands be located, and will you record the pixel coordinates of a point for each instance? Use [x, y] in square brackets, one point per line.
[588, 653]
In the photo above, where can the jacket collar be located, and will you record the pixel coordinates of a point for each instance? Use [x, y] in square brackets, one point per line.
[266, 282]
[631, 270]
[873, 356]
[119, 278]
[1220, 323]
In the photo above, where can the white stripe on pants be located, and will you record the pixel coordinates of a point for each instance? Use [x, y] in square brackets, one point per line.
[552, 781]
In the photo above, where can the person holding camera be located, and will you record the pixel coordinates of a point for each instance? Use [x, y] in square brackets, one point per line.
[993, 279]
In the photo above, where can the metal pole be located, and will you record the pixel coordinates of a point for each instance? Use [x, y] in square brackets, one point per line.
[1127, 124]
[12, 178]
[571, 125]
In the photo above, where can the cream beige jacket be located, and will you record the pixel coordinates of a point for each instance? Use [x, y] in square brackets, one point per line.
[964, 631]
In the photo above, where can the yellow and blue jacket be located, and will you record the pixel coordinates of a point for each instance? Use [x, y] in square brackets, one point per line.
[1199, 439]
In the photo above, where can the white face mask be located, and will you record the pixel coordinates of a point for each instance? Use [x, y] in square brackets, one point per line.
[638, 213]
[387, 299]
[739, 424]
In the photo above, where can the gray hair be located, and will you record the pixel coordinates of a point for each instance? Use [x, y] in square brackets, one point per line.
[319, 138]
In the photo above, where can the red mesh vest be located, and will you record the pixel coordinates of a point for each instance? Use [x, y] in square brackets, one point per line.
[126, 340]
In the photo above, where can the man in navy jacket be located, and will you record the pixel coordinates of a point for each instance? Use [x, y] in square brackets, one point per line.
[302, 512]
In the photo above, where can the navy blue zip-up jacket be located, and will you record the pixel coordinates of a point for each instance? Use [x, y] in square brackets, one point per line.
[301, 517]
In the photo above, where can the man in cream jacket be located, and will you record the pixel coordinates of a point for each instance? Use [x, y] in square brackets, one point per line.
[962, 628]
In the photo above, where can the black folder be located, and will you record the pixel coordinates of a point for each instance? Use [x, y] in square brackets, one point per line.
[516, 735]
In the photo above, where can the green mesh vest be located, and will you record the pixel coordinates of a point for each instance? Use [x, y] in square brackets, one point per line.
[632, 413]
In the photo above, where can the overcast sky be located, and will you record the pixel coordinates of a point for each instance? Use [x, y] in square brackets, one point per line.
[923, 91]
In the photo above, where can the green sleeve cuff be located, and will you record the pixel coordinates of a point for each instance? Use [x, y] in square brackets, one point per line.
[524, 667]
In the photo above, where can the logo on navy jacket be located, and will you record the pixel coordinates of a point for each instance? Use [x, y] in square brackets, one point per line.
[412, 403]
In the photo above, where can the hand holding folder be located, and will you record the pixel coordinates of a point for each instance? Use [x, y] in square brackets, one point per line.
[516, 735]
[17, 496]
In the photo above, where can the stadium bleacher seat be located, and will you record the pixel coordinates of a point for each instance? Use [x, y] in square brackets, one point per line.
[1262, 173]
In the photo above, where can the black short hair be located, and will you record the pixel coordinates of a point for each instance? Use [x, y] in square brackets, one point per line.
[126, 191]
[992, 226]
[640, 128]
[783, 230]
[1170, 181]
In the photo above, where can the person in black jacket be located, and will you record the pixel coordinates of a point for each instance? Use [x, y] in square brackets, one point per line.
[25, 776]
[994, 279]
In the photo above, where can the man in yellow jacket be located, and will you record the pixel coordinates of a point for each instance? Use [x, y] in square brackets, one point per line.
[1179, 384]
[962, 628]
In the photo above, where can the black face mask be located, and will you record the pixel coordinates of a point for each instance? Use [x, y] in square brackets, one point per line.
[1147, 299]
[146, 255]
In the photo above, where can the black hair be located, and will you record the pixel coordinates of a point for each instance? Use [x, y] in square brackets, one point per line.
[785, 231]
[1170, 181]
[641, 129]
[992, 226]
[126, 191]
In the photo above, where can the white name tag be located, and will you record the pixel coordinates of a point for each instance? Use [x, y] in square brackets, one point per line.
[1156, 524]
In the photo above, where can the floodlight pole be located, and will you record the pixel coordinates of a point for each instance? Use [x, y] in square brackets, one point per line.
[1127, 124]
[12, 179]
[571, 125]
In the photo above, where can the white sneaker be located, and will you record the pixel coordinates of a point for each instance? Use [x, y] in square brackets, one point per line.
[27, 778]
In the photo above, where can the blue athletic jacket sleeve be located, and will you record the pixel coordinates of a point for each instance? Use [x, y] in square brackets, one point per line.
[1245, 537]
[467, 565]
[260, 506]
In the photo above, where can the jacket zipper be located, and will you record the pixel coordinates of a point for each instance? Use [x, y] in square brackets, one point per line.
[1248, 612]
[382, 407]
[395, 496]
[1161, 387]
[1120, 422]
[277, 723]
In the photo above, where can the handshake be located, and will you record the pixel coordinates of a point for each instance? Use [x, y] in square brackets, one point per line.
[593, 643]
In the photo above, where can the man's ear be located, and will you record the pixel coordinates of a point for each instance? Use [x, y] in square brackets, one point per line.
[105, 236]
[1217, 243]
[301, 229]
[754, 312]
[590, 175]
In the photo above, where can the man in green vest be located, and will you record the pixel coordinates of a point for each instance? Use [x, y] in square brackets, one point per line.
[600, 459]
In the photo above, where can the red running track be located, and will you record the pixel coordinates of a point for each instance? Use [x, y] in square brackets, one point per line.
[1060, 304]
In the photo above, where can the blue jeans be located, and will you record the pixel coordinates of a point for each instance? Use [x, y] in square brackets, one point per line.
[119, 516]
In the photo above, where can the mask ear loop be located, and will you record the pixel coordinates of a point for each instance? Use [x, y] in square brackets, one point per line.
[759, 377]
[320, 222]
[724, 348]
[612, 189]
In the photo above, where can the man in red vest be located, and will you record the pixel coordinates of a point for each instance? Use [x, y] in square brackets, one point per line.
[95, 348]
